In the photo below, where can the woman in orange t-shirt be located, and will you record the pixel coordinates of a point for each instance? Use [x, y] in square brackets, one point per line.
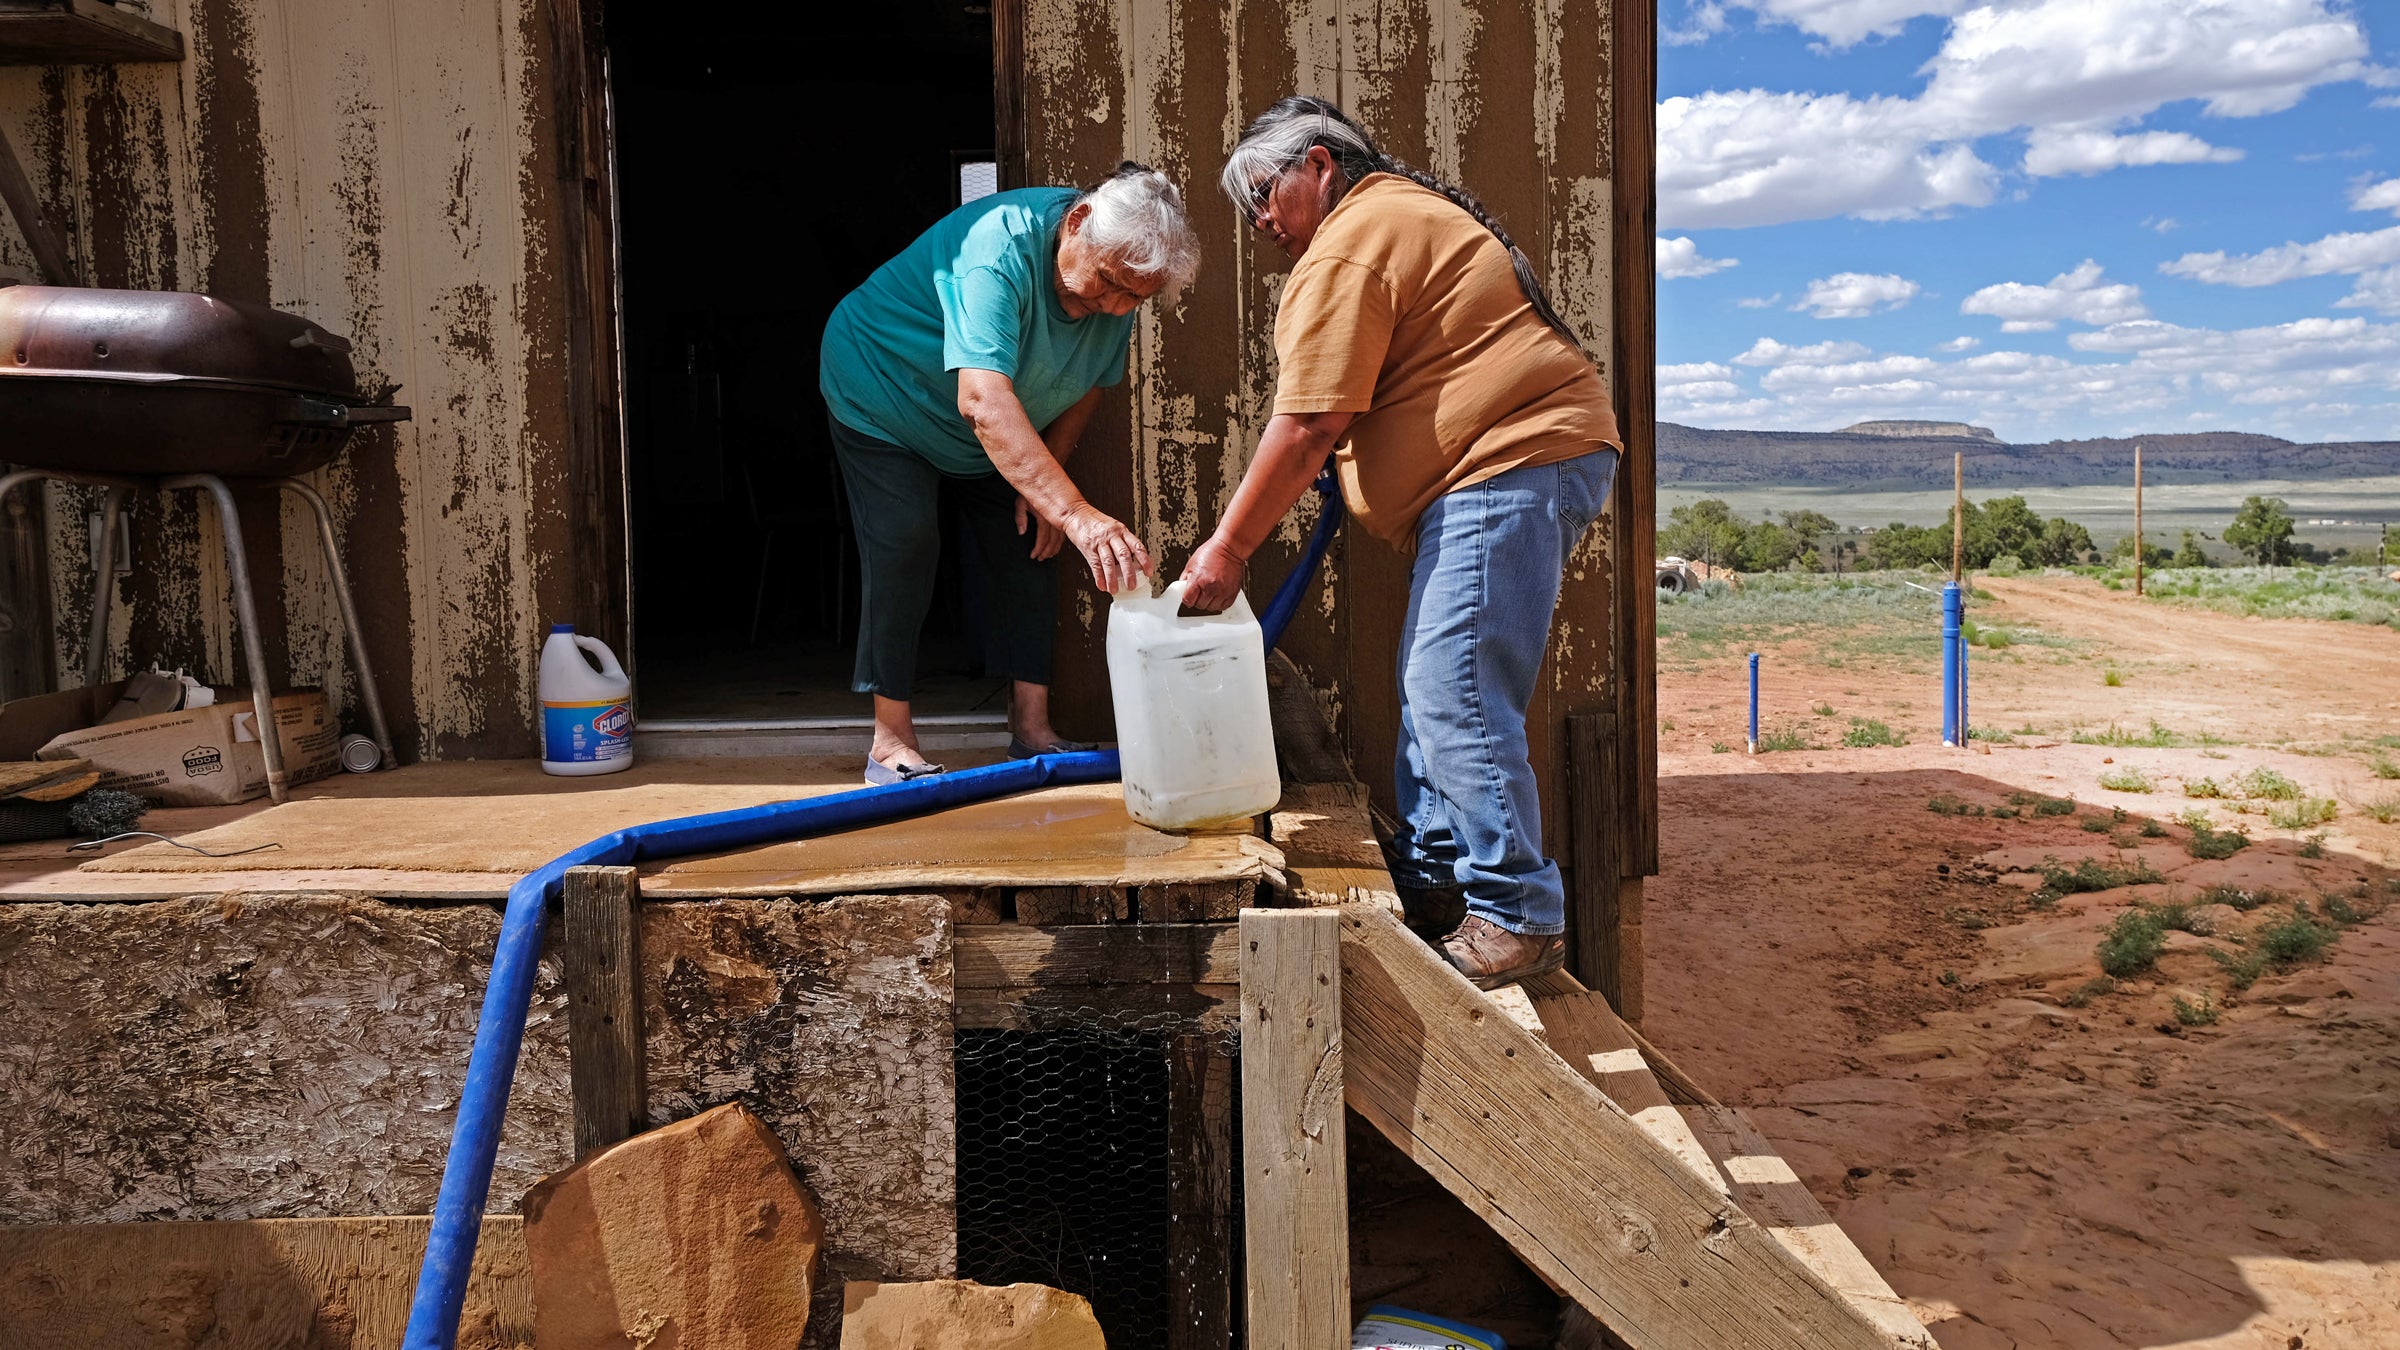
[1416, 347]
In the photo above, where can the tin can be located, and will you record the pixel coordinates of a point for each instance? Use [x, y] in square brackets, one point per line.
[361, 755]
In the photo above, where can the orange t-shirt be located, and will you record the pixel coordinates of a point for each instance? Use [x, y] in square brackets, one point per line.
[1406, 311]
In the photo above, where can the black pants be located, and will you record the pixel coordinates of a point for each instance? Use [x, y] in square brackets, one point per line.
[895, 499]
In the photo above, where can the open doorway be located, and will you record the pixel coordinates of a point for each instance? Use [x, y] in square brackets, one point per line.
[768, 159]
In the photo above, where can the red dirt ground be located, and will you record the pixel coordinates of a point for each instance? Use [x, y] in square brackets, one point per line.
[1869, 979]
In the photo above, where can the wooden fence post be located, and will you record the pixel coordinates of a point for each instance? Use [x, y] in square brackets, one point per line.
[601, 951]
[1605, 941]
[1295, 1196]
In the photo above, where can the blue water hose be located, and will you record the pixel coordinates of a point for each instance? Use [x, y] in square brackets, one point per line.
[500, 1031]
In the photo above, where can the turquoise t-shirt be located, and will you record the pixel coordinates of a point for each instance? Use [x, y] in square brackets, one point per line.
[973, 292]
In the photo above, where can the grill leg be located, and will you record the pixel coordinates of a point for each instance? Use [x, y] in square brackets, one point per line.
[341, 595]
[104, 588]
[245, 614]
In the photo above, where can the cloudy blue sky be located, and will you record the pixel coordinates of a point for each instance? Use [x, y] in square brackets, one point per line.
[2056, 218]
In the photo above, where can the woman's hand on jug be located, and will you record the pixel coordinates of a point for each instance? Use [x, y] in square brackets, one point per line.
[1213, 577]
[1117, 558]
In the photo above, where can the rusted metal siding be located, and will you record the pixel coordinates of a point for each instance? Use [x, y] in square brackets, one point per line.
[386, 167]
[1511, 98]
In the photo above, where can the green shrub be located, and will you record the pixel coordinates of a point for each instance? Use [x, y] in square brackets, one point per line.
[2264, 784]
[2005, 812]
[2383, 766]
[1991, 735]
[2043, 806]
[2156, 738]
[2094, 824]
[2198, 1014]
[1821, 709]
[2237, 898]
[2091, 874]
[2111, 677]
[2125, 778]
[1866, 732]
[2151, 829]
[2313, 846]
[2202, 788]
[2384, 810]
[1790, 738]
[1946, 805]
[2302, 813]
[2211, 845]
[2295, 938]
[2132, 943]
[1719, 748]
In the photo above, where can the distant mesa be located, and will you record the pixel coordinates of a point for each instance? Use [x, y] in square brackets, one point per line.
[1919, 430]
[1915, 455]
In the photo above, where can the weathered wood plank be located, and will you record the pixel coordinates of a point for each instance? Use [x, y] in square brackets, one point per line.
[600, 955]
[34, 221]
[1001, 956]
[1582, 1194]
[1072, 904]
[1595, 856]
[1193, 901]
[1329, 848]
[1296, 1187]
[1583, 1030]
[1765, 1186]
[1201, 1244]
[1198, 1009]
[251, 1284]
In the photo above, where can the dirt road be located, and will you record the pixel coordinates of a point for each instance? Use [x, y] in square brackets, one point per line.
[2032, 1161]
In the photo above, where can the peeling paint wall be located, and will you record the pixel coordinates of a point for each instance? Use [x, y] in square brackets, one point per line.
[384, 167]
[1509, 97]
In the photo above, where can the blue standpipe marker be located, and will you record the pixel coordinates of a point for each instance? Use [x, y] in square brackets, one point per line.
[1754, 703]
[1953, 665]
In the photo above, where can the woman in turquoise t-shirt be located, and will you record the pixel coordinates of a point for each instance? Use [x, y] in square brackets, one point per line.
[977, 356]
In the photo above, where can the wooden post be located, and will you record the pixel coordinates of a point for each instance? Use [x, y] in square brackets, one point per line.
[2137, 520]
[1200, 1161]
[17, 194]
[1958, 517]
[1596, 920]
[602, 955]
[1295, 1200]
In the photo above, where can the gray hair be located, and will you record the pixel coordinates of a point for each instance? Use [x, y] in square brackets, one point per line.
[1137, 219]
[1283, 135]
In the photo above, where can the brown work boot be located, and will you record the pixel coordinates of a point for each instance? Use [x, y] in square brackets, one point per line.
[1492, 956]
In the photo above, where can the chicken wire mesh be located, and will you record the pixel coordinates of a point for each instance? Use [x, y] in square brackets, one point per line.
[1063, 1161]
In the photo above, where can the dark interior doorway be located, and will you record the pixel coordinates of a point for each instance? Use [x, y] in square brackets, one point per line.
[768, 159]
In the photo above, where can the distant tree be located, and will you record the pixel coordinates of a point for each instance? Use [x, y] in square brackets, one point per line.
[1901, 545]
[1704, 531]
[1810, 526]
[2003, 525]
[2152, 554]
[2063, 543]
[2190, 555]
[1769, 547]
[2262, 529]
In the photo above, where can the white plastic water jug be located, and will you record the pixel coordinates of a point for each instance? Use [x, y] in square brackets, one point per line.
[1193, 733]
[587, 714]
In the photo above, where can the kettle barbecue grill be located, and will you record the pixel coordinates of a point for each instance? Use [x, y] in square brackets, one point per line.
[169, 391]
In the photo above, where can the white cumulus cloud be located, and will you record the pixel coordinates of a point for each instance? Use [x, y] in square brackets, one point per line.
[2348, 253]
[2077, 295]
[1681, 258]
[2074, 76]
[1959, 344]
[2383, 196]
[1855, 295]
[2311, 379]
[2052, 152]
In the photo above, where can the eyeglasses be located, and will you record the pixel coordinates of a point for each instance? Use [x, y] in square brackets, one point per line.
[1261, 190]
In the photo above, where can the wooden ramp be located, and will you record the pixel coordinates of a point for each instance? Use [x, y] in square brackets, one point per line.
[1642, 1214]
[1719, 1142]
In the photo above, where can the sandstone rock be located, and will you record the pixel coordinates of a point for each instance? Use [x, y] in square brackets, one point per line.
[694, 1236]
[964, 1315]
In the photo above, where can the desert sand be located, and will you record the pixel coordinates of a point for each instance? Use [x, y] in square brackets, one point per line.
[2031, 1162]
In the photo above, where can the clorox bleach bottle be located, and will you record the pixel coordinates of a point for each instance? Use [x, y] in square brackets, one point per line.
[587, 714]
[1193, 734]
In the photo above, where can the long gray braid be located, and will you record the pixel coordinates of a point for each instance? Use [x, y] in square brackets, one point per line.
[1284, 134]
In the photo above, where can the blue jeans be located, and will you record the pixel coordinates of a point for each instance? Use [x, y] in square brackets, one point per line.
[1489, 559]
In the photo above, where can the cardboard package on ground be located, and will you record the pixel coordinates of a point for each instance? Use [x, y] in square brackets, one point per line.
[194, 757]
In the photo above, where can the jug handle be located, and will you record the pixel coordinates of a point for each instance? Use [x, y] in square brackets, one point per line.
[599, 650]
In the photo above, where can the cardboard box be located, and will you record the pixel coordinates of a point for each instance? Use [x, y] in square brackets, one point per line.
[196, 757]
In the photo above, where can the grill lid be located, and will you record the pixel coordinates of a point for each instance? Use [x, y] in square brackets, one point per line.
[159, 336]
